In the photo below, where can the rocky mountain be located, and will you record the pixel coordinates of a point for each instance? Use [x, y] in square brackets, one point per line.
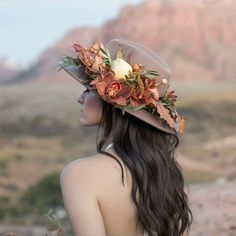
[197, 39]
[9, 69]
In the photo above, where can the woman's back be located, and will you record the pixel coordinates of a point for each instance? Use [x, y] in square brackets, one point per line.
[117, 207]
[102, 177]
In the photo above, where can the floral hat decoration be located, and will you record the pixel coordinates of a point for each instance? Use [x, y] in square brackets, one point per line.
[128, 76]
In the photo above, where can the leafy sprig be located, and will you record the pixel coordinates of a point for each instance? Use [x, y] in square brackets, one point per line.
[67, 61]
[107, 56]
[150, 74]
[53, 224]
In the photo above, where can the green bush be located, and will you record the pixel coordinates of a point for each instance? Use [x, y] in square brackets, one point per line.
[44, 195]
[3, 168]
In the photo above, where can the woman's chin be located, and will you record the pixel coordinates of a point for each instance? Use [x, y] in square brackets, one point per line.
[87, 123]
[83, 122]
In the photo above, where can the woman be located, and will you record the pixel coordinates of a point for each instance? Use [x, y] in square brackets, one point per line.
[133, 186]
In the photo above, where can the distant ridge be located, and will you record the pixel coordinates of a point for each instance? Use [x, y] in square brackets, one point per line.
[197, 39]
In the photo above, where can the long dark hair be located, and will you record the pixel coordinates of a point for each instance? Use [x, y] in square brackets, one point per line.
[157, 180]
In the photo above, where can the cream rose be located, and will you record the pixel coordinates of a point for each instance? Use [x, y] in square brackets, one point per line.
[121, 68]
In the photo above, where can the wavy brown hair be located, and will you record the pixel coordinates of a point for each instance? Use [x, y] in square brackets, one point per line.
[157, 180]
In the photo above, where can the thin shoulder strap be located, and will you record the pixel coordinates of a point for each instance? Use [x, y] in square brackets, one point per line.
[145, 233]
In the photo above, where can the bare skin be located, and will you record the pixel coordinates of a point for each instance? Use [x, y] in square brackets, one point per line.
[95, 199]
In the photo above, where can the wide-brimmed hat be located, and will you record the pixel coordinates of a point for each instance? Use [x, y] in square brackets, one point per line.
[131, 77]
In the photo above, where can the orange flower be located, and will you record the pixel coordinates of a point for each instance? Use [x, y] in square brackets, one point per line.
[148, 95]
[112, 90]
[135, 99]
[136, 93]
[151, 88]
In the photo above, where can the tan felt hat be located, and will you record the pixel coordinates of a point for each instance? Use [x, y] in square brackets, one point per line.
[169, 120]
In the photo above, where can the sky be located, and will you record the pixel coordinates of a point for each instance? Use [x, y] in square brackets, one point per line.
[28, 27]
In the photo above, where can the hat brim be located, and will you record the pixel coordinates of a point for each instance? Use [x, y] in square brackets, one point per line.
[77, 73]
[144, 115]
[156, 122]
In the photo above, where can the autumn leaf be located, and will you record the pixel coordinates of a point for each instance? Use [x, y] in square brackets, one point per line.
[94, 48]
[119, 54]
[165, 114]
[181, 124]
[141, 86]
[98, 61]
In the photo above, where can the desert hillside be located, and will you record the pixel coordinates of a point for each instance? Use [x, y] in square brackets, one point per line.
[197, 39]
[40, 133]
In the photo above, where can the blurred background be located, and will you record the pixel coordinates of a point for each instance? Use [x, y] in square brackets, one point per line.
[39, 120]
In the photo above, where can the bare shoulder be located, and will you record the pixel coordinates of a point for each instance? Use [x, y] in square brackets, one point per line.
[96, 170]
[80, 180]
[93, 192]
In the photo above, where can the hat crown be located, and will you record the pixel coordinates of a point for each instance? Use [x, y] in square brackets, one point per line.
[142, 55]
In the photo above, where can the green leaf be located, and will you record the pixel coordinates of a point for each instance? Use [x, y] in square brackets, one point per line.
[67, 61]
[109, 55]
[107, 62]
[135, 108]
[165, 92]
[153, 72]
[51, 222]
[103, 51]
[131, 79]
[106, 55]
[150, 74]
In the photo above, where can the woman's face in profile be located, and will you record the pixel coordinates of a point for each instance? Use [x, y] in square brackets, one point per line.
[91, 108]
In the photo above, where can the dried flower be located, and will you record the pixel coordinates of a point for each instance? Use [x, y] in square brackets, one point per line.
[111, 90]
[136, 67]
[121, 68]
[172, 96]
[164, 81]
